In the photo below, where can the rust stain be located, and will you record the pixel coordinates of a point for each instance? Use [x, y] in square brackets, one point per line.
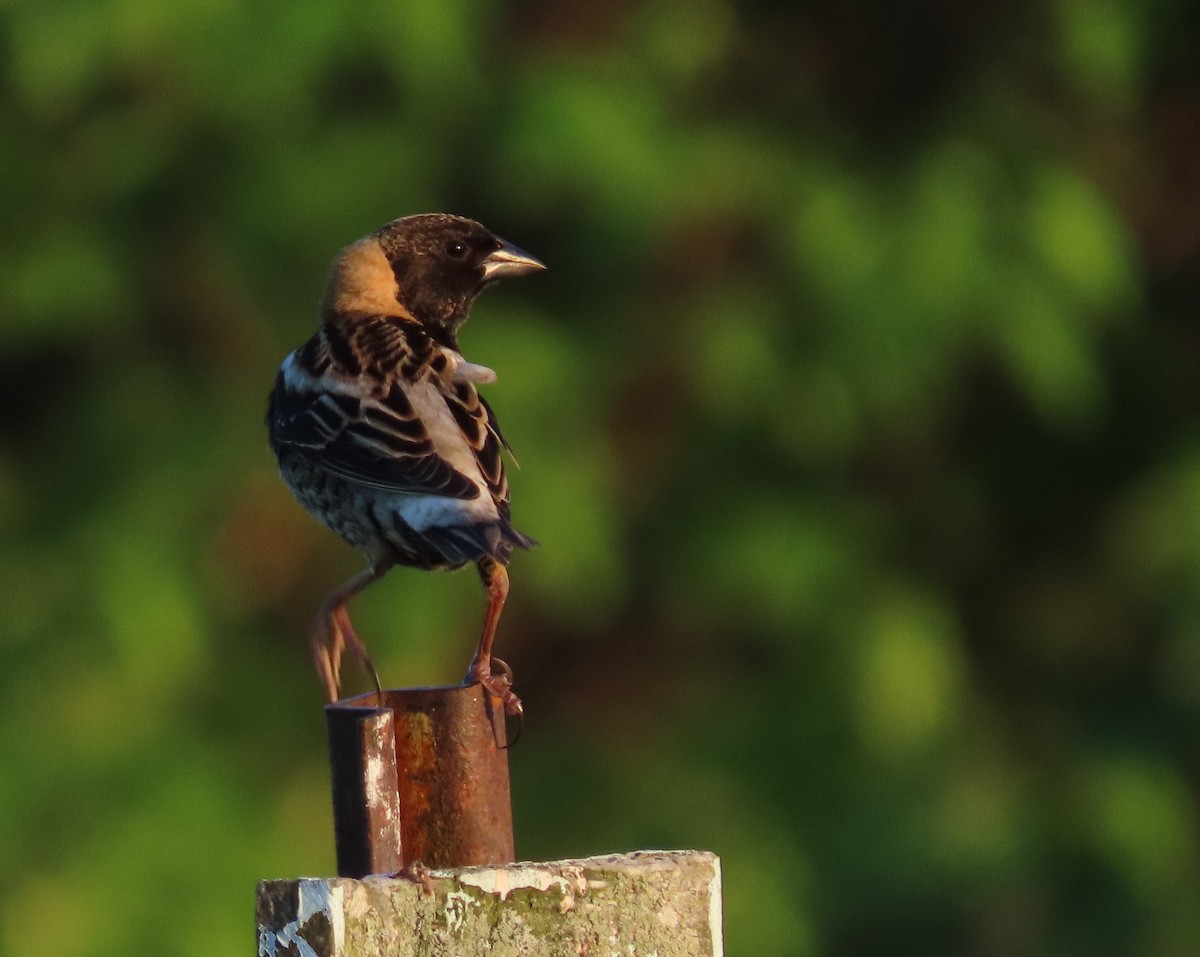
[452, 783]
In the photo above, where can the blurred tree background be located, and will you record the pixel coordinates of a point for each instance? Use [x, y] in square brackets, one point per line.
[857, 417]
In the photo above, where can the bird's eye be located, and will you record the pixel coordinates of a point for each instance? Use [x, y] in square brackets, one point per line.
[455, 249]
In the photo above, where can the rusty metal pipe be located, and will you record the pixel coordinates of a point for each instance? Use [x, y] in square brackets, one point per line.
[450, 786]
[366, 802]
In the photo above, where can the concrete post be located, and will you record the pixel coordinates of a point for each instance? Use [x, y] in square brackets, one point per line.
[644, 904]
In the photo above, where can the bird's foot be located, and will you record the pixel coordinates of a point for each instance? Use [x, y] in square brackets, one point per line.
[341, 621]
[327, 646]
[497, 685]
[332, 634]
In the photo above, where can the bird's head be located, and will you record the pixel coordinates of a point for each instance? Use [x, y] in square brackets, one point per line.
[431, 266]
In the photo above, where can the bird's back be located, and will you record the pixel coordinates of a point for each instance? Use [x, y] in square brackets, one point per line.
[381, 435]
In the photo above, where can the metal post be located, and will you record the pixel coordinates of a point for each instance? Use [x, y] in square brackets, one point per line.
[439, 759]
[366, 802]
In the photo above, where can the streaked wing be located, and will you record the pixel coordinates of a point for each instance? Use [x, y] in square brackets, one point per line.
[482, 434]
[377, 442]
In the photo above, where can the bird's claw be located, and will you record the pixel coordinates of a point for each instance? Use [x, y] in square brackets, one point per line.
[505, 671]
[497, 685]
[332, 634]
[327, 647]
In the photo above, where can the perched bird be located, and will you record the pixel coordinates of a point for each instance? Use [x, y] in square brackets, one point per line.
[381, 434]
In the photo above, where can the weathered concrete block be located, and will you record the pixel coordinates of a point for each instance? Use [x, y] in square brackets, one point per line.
[644, 904]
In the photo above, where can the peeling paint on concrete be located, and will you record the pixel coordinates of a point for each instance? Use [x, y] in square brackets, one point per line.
[502, 881]
[316, 898]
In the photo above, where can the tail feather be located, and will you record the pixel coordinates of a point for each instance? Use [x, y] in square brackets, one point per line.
[460, 544]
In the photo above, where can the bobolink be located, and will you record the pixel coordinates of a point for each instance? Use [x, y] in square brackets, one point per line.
[380, 432]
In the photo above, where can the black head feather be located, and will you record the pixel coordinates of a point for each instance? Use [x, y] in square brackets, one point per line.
[442, 263]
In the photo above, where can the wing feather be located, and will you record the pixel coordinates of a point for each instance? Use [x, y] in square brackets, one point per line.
[482, 434]
[363, 429]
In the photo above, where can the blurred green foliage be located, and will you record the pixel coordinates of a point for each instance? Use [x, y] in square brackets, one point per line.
[857, 416]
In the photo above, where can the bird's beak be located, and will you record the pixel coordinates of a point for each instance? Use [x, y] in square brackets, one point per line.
[508, 261]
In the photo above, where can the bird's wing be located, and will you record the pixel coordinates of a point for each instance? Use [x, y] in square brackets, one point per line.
[481, 432]
[364, 430]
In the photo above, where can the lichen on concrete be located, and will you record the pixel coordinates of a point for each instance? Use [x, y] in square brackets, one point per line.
[644, 904]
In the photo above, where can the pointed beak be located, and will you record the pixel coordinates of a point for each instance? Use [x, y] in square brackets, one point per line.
[508, 261]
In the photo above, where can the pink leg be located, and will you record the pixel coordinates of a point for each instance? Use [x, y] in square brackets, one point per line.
[332, 633]
[495, 578]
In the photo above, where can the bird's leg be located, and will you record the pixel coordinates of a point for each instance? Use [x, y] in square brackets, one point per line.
[332, 633]
[495, 578]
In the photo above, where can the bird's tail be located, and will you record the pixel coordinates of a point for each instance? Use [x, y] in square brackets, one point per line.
[460, 544]
[510, 538]
[517, 539]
